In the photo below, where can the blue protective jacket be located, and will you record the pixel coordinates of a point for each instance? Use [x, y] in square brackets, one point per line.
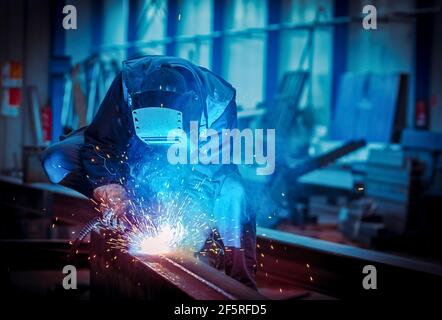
[108, 139]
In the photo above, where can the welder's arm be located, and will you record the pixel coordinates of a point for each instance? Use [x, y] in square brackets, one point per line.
[113, 201]
[105, 140]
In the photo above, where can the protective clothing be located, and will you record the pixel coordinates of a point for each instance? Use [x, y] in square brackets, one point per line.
[108, 150]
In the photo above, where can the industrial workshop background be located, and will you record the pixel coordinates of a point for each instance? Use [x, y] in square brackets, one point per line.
[358, 113]
[262, 40]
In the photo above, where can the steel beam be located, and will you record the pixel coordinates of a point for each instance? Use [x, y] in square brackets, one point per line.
[340, 40]
[115, 274]
[303, 264]
[423, 49]
[273, 43]
[337, 270]
[172, 26]
[218, 43]
[58, 65]
[135, 7]
[97, 24]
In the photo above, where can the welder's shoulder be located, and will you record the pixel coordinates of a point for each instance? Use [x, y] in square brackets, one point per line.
[216, 79]
[142, 59]
[220, 95]
[217, 88]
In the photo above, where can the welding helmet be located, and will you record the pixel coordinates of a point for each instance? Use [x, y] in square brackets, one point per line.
[166, 99]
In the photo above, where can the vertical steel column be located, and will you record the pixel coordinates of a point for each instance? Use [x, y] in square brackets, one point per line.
[274, 8]
[132, 25]
[57, 65]
[340, 41]
[218, 17]
[172, 25]
[97, 24]
[424, 28]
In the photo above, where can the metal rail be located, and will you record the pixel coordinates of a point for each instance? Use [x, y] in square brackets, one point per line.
[299, 262]
[337, 270]
[115, 274]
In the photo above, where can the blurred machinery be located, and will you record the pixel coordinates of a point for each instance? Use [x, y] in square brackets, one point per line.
[374, 197]
[392, 189]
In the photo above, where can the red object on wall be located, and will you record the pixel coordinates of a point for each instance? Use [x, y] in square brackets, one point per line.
[46, 123]
[14, 97]
[11, 88]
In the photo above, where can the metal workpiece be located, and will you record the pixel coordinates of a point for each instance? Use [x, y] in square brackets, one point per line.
[289, 266]
[119, 275]
[336, 270]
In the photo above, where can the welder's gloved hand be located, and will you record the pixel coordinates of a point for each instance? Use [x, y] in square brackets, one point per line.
[114, 204]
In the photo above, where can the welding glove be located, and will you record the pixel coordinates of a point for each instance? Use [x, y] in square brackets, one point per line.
[114, 204]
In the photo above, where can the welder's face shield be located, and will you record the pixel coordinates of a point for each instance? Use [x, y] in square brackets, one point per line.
[162, 99]
[157, 113]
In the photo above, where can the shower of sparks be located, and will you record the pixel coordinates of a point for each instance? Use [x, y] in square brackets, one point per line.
[163, 242]
[159, 228]
[165, 213]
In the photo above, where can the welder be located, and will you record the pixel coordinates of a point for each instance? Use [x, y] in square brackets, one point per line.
[152, 95]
